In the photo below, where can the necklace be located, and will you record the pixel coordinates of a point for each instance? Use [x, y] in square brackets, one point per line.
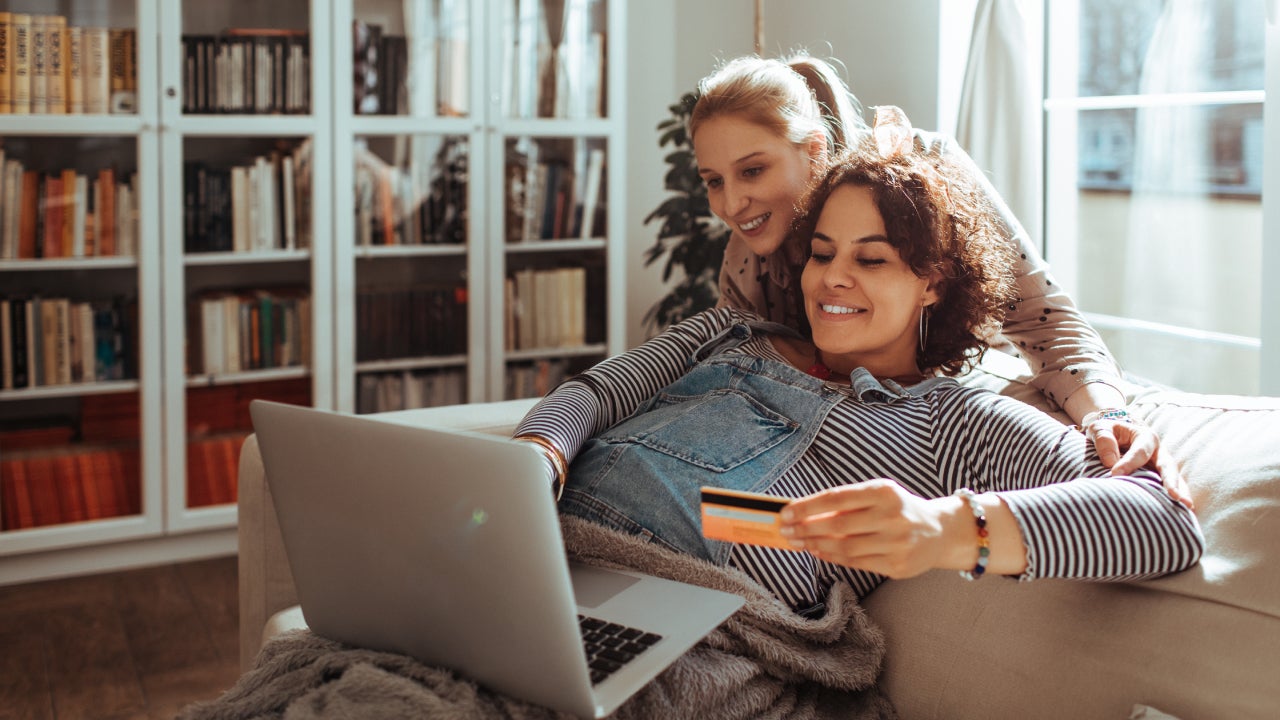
[819, 369]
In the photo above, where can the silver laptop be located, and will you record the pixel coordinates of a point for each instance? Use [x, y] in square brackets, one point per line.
[445, 545]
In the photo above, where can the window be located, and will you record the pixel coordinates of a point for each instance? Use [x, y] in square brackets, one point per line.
[1154, 182]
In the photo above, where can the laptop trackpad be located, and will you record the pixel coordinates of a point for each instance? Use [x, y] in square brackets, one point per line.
[593, 586]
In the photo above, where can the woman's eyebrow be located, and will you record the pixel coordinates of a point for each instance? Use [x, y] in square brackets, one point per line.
[861, 241]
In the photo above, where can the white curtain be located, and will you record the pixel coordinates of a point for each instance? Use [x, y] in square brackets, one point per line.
[1000, 123]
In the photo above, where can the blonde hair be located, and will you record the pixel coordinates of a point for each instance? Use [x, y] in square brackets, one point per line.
[793, 97]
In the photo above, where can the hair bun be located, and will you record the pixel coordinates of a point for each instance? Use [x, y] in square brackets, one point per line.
[892, 131]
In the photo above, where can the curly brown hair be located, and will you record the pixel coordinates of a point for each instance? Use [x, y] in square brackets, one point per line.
[939, 221]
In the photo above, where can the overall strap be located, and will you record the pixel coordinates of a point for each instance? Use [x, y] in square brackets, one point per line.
[736, 334]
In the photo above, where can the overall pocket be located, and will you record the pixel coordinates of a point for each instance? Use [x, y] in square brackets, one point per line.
[718, 430]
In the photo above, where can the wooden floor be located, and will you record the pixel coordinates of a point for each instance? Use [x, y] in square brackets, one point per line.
[138, 644]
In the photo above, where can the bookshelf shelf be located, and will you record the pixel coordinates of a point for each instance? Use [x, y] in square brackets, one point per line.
[267, 126]
[61, 264]
[67, 391]
[197, 259]
[247, 377]
[77, 125]
[410, 125]
[555, 246]
[370, 252]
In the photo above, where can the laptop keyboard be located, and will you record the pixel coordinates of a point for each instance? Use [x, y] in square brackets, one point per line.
[609, 645]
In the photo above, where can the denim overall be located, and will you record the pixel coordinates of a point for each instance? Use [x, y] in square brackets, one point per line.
[733, 421]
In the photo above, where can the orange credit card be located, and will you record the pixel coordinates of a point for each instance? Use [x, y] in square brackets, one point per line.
[743, 517]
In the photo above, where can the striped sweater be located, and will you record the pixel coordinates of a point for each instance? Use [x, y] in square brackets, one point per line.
[1075, 519]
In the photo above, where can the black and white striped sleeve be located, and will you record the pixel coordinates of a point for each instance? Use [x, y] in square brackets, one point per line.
[1076, 520]
[613, 389]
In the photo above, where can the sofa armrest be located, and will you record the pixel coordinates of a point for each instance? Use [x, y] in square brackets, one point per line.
[266, 582]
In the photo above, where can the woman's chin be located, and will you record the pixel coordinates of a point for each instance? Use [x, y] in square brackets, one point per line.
[765, 244]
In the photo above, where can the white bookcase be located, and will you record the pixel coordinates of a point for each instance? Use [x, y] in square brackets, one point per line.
[465, 106]
[449, 236]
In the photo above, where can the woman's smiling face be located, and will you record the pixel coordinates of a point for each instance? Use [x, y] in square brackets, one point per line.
[754, 178]
[862, 299]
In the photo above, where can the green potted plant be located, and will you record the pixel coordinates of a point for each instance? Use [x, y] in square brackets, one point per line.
[692, 238]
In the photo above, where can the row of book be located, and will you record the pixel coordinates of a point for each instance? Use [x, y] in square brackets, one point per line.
[551, 198]
[213, 470]
[223, 409]
[237, 331]
[410, 389]
[535, 379]
[48, 66]
[545, 308]
[255, 71]
[264, 205]
[419, 199]
[394, 323]
[59, 341]
[66, 486]
[67, 213]
[423, 72]
[554, 62]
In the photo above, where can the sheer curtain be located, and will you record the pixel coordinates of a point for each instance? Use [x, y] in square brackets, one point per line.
[999, 123]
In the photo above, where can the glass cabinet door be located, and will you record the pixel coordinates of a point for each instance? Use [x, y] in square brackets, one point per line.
[79, 291]
[246, 258]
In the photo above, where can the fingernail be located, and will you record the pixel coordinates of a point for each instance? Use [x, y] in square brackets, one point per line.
[787, 530]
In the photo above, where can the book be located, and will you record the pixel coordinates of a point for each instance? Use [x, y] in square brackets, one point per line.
[122, 94]
[20, 82]
[39, 68]
[75, 71]
[591, 197]
[96, 69]
[6, 67]
[6, 346]
[56, 64]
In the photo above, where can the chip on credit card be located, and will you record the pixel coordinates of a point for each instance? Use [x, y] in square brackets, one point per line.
[743, 517]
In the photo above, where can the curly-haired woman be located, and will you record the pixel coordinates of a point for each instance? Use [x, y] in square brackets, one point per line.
[894, 468]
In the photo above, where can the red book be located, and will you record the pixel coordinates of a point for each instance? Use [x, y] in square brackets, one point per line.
[15, 496]
[51, 246]
[46, 510]
[106, 213]
[66, 475]
[87, 473]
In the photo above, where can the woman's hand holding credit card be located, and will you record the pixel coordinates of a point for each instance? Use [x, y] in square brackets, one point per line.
[743, 517]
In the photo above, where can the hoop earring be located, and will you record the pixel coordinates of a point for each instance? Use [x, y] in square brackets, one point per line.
[924, 327]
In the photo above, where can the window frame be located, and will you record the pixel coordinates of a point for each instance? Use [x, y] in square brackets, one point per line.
[1060, 113]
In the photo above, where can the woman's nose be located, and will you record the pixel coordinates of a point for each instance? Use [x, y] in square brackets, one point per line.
[837, 275]
[736, 199]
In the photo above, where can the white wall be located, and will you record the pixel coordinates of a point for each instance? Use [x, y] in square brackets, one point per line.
[890, 51]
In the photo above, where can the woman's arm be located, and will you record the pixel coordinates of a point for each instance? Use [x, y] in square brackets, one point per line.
[1072, 365]
[612, 389]
[1049, 509]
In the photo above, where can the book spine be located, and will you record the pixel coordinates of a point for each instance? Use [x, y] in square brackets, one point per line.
[39, 64]
[56, 64]
[75, 71]
[6, 66]
[20, 85]
[96, 69]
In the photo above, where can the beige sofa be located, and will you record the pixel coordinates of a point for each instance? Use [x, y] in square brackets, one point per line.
[1202, 644]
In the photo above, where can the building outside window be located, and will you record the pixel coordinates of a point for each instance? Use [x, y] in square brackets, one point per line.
[1154, 181]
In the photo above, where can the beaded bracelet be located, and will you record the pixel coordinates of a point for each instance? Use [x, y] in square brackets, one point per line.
[984, 546]
[1119, 414]
[559, 466]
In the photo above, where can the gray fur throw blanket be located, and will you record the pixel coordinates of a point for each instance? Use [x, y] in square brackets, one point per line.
[763, 662]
